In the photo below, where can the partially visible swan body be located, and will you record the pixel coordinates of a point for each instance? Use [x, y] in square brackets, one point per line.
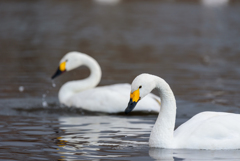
[82, 94]
[206, 130]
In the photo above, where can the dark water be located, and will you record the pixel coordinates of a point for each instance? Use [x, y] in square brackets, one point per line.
[193, 45]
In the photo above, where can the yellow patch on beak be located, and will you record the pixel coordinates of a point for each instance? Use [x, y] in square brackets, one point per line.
[62, 66]
[135, 96]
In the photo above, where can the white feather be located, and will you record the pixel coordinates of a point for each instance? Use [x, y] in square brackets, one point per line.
[206, 130]
[109, 99]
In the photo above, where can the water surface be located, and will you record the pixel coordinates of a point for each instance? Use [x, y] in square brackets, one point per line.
[193, 45]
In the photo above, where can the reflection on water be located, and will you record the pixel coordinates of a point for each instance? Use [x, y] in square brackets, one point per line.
[193, 45]
[183, 154]
[71, 138]
[106, 134]
[28, 138]
[90, 137]
[99, 127]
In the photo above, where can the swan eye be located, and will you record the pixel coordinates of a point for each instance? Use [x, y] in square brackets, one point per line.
[140, 87]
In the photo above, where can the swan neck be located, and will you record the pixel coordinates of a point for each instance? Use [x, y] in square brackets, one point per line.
[73, 87]
[95, 71]
[162, 133]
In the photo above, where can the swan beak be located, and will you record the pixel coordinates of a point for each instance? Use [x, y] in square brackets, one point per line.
[134, 98]
[61, 69]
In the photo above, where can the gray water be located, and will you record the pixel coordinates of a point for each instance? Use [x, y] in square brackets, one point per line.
[193, 45]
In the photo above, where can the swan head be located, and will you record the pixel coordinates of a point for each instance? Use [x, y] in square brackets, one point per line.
[142, 85]
[69, 62]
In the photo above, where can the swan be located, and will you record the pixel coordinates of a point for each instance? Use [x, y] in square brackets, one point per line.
[206, 130]
[82, 94]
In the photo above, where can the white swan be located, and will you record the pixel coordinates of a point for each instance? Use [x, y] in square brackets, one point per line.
[206, 130]
[82, 94]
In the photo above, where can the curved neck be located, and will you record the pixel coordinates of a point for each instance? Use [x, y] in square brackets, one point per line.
[162, 132]
[72, 87]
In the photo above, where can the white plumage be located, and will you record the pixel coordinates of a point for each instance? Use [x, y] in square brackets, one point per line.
[84, 93]
[111, 99]
[206, 130]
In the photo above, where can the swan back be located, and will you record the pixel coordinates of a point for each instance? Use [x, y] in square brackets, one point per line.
[112, 99]
[209, 130]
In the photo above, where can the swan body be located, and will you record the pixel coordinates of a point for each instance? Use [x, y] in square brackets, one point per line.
[206, 130]
[84, 93]
[111, 99]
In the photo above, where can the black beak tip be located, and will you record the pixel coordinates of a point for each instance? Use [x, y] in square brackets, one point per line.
[54, 76]
[127, 111]
[130, 106]
[58, 72]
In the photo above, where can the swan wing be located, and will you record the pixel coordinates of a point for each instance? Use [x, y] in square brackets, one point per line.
[112, 99]
[209, 130]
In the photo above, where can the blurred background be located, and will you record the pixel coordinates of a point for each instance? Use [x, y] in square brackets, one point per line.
[192, 44]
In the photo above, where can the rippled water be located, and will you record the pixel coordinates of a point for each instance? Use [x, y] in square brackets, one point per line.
[193, 45]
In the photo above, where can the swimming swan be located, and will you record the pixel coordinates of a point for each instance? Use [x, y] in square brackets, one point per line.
[206, 130]
[82, 94]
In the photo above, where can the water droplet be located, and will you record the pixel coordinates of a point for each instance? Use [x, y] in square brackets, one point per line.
[53, 84]
[21, 88]
[44, 104]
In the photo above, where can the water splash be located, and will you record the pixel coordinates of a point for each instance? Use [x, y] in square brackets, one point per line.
[44, 102]
[21, 88]
[53, 84]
